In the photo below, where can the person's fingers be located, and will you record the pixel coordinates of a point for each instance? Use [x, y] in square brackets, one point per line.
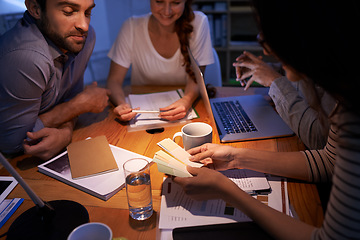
[246, 75]
[201, 156]
[174, 116]
[252, 57]
[248, 84]
[193, 170]
[124, 114]
[38, 134]
[195, 150]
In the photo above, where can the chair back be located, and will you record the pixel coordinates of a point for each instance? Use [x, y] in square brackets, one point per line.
[213, 72]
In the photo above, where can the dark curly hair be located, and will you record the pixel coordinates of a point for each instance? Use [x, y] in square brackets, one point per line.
[184, 29]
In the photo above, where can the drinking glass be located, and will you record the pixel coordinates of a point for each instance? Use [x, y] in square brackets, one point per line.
[138, 188]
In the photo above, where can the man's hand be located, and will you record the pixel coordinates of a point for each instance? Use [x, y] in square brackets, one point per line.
[93, 99]
[47, 142]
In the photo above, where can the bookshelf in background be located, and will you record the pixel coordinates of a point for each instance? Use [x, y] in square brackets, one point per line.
[233, 30]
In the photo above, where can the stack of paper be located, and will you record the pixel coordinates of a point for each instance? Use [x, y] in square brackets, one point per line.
[174, 159]
[179, 210]
[155, 101]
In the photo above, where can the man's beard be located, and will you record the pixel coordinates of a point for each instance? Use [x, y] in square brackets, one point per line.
[62, 42]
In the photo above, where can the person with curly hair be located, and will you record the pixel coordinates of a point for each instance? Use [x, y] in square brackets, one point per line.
[308, 46]
[156, 46]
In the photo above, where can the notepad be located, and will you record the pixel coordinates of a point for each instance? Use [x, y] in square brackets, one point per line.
[173, 159]
[91, 157]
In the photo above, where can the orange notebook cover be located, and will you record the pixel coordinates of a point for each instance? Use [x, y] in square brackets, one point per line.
[91, 157]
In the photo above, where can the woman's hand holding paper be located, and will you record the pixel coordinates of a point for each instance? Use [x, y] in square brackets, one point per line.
[175, 111]
[218, 157]
[124, 112]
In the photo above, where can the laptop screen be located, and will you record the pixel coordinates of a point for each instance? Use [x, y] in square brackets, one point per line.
[204, 96]
[261, 119]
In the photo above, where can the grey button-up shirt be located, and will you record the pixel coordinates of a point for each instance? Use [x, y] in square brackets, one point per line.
[34, 77]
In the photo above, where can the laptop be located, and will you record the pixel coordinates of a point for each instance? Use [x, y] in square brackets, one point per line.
[241, 118]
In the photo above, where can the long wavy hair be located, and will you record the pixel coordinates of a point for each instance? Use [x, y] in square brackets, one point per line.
[184, 29]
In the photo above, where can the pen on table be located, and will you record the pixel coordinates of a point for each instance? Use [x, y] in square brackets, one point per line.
[145, 111]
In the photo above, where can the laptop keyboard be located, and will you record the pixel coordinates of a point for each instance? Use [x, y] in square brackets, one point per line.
[234, 117]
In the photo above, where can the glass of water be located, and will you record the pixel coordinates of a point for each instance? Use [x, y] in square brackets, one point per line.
[138, 188]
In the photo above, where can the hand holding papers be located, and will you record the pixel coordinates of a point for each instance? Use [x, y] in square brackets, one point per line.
[169, 165]
[177, 152]
[174, 159]
[147, 108]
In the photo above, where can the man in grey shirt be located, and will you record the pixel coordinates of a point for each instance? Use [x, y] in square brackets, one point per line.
[42, 64]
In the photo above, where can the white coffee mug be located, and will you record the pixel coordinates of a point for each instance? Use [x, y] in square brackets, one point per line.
[195, 134]
[91, 231]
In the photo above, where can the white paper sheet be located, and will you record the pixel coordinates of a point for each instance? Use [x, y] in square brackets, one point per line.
[152, 102]
[179, 210]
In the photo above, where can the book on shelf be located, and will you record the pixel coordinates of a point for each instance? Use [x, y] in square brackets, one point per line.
[220, 6]
[102, 186]
[209, 7]
[211, 28]
[218, 29]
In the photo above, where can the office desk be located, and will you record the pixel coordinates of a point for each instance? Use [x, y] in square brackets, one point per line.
[114, 212]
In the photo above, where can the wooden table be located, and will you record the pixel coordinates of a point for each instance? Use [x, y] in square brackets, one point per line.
[114, 212]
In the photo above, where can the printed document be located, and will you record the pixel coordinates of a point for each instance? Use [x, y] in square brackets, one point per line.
[153, 102]
[179, 210]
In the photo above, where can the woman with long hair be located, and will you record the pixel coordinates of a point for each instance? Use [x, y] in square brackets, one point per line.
[156, 47]
[312, 39]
